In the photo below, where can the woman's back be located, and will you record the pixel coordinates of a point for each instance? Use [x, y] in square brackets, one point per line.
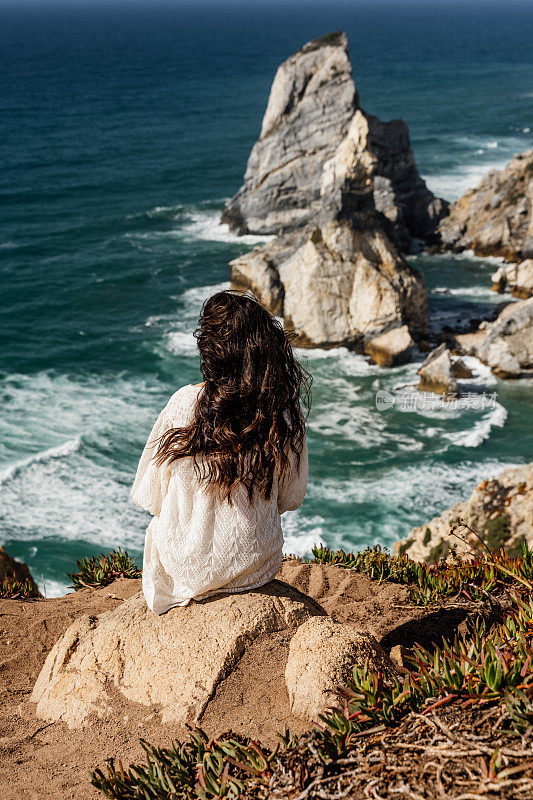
[199, 542]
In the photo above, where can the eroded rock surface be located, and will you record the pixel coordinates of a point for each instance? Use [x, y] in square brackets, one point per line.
[505, 345]
[500, 510]
[440, 371]
[173, 661]
[322, 655]
[496, 218]
[518, 277]
[341, 190]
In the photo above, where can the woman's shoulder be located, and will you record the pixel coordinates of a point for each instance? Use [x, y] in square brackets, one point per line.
[183, 399]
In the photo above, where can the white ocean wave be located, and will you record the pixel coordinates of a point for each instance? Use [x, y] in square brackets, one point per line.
[489, 259]
[182, 343]
[206, 225]
[453, 185]
[66, 491]
[432, 486]
[481, 430]
[484, 292]
[180, 326]
[349, 363]
[195, 297]
[301, 534]
[61, 451]
[51, 588]
[157, 211]
[481, 374]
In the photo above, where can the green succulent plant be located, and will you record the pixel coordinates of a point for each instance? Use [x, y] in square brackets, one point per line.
[96, 571]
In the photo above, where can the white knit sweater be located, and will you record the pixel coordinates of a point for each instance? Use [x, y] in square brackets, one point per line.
[197, 545]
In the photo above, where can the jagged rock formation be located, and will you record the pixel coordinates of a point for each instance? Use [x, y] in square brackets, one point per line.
[500, 510]
[519, 278]
[505, 345]
[496, 218]
[311, 128]
[341, 190]
[440, 371]
[322, 655]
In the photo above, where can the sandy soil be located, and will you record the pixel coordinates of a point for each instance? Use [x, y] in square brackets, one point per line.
[39, 760]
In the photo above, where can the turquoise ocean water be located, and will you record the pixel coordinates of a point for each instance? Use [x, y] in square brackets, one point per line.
[123, 127]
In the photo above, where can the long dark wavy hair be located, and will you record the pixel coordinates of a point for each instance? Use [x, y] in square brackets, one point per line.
[255, 399]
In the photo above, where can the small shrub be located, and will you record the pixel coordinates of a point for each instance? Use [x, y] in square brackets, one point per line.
[404, 547]
[101, 570]
[439, 552]
[333, 38]
[427, 536]
[13, 589]
[497, 532]
[200, 768]
[316, 236]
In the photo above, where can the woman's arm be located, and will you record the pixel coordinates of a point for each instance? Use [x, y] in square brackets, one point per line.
[151, 481]
[293, 486]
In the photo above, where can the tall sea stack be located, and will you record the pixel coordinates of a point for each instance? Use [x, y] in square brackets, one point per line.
[341, 192]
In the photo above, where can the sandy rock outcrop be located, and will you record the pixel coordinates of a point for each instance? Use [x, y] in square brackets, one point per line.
[500, 510]
[338, 285]
[322, 655]
[341, 190]
[11, 568]
[496, 218]
[173, 661]
[518, 277]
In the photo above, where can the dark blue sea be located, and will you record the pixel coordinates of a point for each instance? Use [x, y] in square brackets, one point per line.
[123, 127]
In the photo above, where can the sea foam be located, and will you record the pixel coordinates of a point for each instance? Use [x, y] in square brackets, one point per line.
[40, 457]
[206, 225]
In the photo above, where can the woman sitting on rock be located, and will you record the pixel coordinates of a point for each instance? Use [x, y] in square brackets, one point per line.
[225, 458]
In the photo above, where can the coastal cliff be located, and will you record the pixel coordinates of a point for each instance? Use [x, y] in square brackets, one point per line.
[495, 218]
[499, 510]
[341, 190]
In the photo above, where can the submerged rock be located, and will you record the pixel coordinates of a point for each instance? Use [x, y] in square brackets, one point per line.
[341, 190]
[437, 373]
[496, 218]
[500, 510]
[173, 661]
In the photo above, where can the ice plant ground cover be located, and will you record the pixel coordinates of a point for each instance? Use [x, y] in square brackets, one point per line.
[457, 717]
[103, 569]
[14, 589]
